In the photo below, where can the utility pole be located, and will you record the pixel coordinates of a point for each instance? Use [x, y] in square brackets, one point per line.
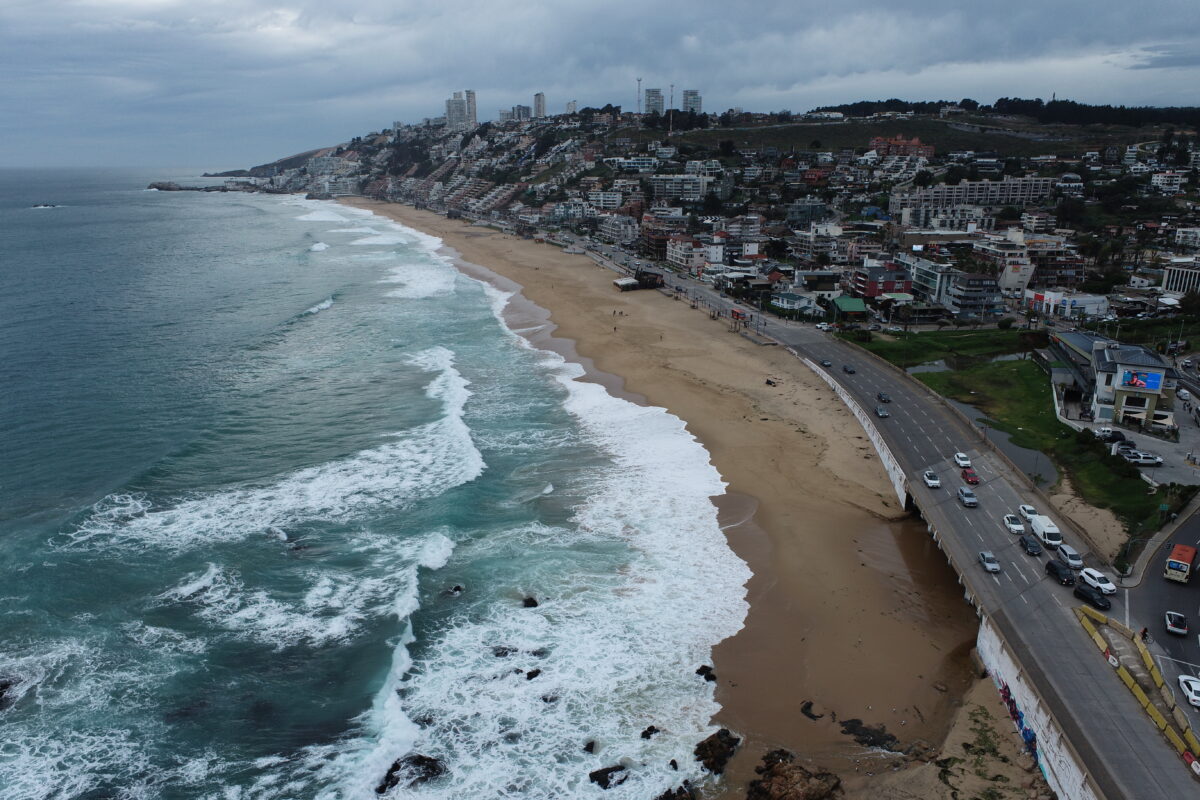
[671, 112]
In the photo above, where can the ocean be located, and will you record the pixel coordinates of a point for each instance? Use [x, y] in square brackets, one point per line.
[279, 489]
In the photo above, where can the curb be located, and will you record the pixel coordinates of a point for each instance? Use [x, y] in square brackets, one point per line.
[1186, 744]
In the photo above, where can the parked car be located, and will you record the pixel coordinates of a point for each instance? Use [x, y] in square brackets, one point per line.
[1176, 623]
[825, 362]
[1140, 458]
[1070, 556]
[1093, 596]
[1030, 545]
[1190, 686]
[1097, 580]
[970, 476]
[989, 562]
[1013, 523]
[846, 368]
[1027, 511]
[967, 497]
[961, 461]
[931, 479]
[874, 326]
[883, 397]
[1060, 572]
[882, 412]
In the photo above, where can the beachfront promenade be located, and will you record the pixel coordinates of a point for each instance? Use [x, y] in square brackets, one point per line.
[1107, 746]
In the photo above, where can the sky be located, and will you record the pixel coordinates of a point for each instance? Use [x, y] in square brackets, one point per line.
[221, 84]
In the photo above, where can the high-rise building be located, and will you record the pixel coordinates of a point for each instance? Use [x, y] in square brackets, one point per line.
[505, 115]
[572, 107]
[472, 118]
[456, 112]
[539, 105]
[692, 101]
[522, 113]
[654, 101]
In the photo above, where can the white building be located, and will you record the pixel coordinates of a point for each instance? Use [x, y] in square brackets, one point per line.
[1188, 238]
[1181, 275]
[605, 201]
[1008, 252]
[1058, 303]
[692, 100]
[1010, 191]
[685, 187]
[1169, 182]
[472, 116]
[618, 229]
[456, 112]
[539, 105]
[654, 101]
[685, 252]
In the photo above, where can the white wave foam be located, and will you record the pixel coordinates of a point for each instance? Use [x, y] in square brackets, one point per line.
[622, 623]
[318, 247]
[319, 307]
[322, 215]
[422, 279]
[419, 463]
[360, 229]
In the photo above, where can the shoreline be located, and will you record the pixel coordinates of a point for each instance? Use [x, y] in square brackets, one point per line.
[877, 631]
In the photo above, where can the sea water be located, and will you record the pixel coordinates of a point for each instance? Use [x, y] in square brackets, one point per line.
[276, 481]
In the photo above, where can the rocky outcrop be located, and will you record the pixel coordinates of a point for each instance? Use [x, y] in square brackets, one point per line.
[716, 750]
[684, 792]
[410, 770]
[608, 777]
[783, 779]
[706, 672]
[530, 602]
[870, 736]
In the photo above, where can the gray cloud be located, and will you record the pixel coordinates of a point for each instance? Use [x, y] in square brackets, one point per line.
[231, 82]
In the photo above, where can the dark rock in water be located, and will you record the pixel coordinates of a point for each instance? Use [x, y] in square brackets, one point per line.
[529, 602]
[716, 750]
[646, 734]
[503, 652]
[605, 778]
[549, 698]
[166, 186]
[425, 720]
[454, 591]
[806, 710]
[684, 792]
[707, 673]
[783, 779]
[5, 685]
[590, 747]
[674, 764]
[411, 769]
[533, 673]
[869, 736]
[541, 652]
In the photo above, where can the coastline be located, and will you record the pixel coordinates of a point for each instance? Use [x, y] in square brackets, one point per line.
[853, 613]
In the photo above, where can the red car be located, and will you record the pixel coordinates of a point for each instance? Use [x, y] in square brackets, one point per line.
[969, 475]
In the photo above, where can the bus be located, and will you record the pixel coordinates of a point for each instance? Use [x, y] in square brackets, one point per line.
[1180, 563]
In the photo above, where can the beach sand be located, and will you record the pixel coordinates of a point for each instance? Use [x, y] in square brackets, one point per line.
[852, 607]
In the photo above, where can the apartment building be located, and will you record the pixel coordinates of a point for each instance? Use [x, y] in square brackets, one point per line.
[692, 101]
[685, 187]
[1007, 192]
[974, 295]
[685, 252]
[654, 101]
[1181, 275]
[876, 278]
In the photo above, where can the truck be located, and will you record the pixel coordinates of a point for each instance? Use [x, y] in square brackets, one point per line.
[1047, 532]
[1180, 563]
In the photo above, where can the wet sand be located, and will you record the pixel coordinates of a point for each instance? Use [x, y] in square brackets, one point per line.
[851, 605]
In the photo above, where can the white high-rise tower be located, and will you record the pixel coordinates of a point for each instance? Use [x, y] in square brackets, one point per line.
[539, 105]
[692, 101]
[654, 101]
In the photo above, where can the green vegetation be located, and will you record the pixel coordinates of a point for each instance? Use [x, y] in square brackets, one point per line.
[1015, 395]
[826, 136]
[910, 349]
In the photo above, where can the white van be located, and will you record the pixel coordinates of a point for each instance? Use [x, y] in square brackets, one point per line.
[1047, 532]
[1183, 394]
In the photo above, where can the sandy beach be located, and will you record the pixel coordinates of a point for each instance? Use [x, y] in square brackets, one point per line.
[853, 611]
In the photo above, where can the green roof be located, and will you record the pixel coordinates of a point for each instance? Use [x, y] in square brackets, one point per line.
[850, 305]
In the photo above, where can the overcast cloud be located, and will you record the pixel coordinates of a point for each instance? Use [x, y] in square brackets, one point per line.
[228, 83]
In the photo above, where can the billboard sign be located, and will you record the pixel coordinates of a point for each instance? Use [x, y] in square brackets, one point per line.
[1137, 379]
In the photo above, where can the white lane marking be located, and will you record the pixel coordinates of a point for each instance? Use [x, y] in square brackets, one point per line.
[997, 580]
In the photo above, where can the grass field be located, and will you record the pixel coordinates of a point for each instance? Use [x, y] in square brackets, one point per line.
[1016, 397]
[910, 349]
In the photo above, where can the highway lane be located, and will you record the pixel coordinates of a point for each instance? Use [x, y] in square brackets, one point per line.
[1123, 751]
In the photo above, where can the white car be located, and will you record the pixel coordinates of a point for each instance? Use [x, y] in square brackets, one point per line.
[931, 479]
[961, 460]
[1027, 511]
[1190, 686]
[989, 562]
[1097, 580]
[1013, 523]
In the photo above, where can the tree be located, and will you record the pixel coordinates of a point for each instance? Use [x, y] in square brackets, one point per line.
[726, 148]
[815, 144]
[1190, 303]
[923, 178]
[1005, 323]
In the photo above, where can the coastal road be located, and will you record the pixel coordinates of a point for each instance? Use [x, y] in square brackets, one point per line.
[1121, 749]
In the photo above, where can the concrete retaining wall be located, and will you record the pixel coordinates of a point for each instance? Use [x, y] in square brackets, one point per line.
[894, 471]
[1056, 758]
